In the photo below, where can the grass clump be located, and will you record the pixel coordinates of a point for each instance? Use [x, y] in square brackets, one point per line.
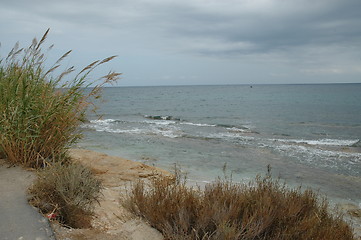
[67, 192]
[262, 209]
[40, 112]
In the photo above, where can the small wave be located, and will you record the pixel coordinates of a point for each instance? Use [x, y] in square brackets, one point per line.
[230, 126]
[155, 125]
[129, 131]
[328, 142]
[151, 128]
[198, 124]
[241, 130]
[140, 131]
[104, 121]
[170, 120]
[170, 133]
[157, 122]
[339, 161]
[231, 136]
[317, 151]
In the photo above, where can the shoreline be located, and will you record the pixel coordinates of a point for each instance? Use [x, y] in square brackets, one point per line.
[117, 174]
[112, 220]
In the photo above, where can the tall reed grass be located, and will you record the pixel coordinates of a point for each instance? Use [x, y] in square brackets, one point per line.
[40, 113]
[262, 209]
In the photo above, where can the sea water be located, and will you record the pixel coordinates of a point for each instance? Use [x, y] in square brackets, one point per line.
[308, 134]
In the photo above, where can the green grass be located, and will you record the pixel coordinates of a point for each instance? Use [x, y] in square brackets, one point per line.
[40, 113]
[262, 209]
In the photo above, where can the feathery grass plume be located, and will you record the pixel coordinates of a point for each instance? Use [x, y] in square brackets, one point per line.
[39, 113]
[262, 209]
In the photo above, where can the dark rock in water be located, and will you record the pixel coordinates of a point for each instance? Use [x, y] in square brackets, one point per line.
[357, 144]
[154, 117]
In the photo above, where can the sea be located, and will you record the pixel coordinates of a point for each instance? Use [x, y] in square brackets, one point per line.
[308, 134]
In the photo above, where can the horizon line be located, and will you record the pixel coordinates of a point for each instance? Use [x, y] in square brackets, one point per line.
[233, 84]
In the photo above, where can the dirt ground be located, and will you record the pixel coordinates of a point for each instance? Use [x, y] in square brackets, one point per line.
[112, 220]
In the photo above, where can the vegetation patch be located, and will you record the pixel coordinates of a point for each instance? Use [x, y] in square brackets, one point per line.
[66, 192]
[40, 111]
[40, 115]
[262, 209]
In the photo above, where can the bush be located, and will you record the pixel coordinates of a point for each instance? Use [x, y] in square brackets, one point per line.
[68, 191]
[40, 113]
[263, 209]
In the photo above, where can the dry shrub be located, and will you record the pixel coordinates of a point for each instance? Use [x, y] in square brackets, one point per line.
[263, 209]
[69, 190]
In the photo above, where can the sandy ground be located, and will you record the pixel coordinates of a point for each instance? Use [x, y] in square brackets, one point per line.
[112, 221]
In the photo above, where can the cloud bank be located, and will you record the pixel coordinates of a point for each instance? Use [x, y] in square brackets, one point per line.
[260, 39]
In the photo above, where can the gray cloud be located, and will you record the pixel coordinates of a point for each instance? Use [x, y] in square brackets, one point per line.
[285, 25]
[263, 27]
[268, 32]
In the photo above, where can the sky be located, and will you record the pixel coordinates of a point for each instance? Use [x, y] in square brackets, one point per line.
[197, 42]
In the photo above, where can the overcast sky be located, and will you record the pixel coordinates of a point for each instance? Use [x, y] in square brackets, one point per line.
[166, 42]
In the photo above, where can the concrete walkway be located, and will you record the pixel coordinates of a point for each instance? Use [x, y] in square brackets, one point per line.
[19, 220]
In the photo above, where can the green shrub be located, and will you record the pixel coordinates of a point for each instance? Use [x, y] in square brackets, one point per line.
[40, 113]
[69, 191]
[263, 209]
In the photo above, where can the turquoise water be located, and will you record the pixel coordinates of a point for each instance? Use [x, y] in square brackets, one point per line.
[309, 134]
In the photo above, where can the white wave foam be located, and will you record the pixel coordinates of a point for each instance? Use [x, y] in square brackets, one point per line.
[231, 136]
[165, 133]
[315, 153]
[328, 142]
[130, 131]
[159, 122]
[198, 124]
[103, 121]
[171, 133]
[239, 130]
[152, 128]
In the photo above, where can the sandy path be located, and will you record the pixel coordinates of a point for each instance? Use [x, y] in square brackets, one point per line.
[112, 221]
[19, 220]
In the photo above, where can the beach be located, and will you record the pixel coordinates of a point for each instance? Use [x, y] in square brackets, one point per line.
[112, 220]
